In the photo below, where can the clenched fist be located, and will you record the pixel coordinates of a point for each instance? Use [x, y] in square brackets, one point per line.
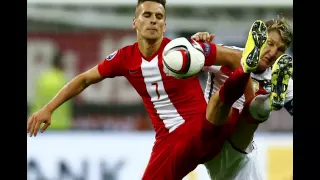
[203, 36]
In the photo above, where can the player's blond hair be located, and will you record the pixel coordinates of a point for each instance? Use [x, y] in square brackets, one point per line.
[281, 25]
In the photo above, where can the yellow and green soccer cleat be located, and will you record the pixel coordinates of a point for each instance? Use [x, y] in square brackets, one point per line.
[257, 40]
[281, 73]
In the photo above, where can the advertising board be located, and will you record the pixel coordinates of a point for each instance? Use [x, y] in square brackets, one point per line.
[123, 156]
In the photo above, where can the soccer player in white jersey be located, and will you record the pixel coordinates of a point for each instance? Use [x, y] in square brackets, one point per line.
[270, 88]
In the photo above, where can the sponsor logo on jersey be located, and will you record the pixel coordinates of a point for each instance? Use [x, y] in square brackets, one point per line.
[111, 56]
[207, 49]
[133, 72]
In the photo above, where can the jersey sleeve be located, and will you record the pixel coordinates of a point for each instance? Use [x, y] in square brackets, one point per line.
[289, 98]
[112, 65]
[233, 47]
[210, 51]
[212, 68]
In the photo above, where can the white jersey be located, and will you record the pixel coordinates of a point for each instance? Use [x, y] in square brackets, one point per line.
[232, 164]
[217, 75]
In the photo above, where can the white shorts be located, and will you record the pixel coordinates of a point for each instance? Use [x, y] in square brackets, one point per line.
[232, 164]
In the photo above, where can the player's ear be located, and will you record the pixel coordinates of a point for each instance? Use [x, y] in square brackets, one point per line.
[165, 27]
[134, 23]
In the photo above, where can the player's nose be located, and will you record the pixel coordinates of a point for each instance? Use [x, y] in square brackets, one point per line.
[273, 53]
[153, 20]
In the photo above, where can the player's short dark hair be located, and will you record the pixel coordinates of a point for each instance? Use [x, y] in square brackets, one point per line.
[281, 25]
[162, 2]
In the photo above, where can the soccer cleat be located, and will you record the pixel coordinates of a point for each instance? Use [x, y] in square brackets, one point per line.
[257, 40]
[281, 73]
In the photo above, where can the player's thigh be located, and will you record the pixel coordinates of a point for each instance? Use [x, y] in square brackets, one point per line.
[212, 138]
[217, 112]
[243, 133]
[171, 160]
[232, 164]
[212, 131]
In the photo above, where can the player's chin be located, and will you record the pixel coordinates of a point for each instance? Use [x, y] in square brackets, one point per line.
[152, 37]
[263, 66]
[151, 33]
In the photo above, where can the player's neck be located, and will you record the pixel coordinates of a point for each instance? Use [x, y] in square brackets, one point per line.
[148, 48]
[259, 71]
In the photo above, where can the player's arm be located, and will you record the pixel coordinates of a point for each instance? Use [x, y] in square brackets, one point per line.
[221, 56]
[108, 68]
[74, 87]
[217, 54]
[71, 89]
[228, 57]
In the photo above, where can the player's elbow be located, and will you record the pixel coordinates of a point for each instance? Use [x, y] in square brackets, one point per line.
[91, 76]
[83, 80]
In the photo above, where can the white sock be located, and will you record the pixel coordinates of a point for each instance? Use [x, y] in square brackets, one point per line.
[260, 107]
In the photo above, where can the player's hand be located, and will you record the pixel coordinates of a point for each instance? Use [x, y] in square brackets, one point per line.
[36, 119]
[203, 36]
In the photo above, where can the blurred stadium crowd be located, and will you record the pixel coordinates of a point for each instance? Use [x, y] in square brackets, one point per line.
[65, 39]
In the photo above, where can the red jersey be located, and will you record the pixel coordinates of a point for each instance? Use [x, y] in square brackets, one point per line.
[170, 102]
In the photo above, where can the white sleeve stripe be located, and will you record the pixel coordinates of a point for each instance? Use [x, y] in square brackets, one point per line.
[211, 76]
[232, 47]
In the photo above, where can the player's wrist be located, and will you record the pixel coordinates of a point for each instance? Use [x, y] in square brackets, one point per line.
[48, 108]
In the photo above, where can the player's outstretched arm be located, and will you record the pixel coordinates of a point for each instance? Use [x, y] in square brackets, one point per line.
[223, 56]
[74, 87]
[71, 89]
[228, 57]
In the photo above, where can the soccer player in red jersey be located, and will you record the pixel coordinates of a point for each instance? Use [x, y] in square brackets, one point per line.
[177, 107]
